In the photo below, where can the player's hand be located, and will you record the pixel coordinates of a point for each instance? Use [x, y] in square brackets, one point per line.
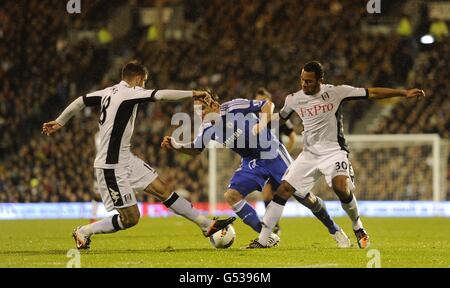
[50, 127]
[415, 93]
[167, 143]
[203, 96]
[257, 129]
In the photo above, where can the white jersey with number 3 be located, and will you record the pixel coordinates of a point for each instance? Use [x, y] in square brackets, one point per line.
[321, 115]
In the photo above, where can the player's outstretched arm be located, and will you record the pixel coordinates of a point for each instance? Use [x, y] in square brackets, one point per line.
[170, 143]
[178, 95]
[53, 126]
[265, 116]
[383, 93]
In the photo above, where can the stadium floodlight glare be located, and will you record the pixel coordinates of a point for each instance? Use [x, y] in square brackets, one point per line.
[427, 39]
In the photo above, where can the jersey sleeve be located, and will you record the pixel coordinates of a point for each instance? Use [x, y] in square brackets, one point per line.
[288, 109]
[94, 98]
[172, 95]
[205, 135]
[243, 105]
[71, 110]
[346, 92]
[141, 95]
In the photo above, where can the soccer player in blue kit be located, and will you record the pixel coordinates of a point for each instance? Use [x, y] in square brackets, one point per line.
[240, 125]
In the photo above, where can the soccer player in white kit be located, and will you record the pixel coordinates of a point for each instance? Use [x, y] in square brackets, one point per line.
[119, 173]
[325, 151]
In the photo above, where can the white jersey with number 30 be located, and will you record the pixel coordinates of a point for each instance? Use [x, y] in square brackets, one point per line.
[321, 115]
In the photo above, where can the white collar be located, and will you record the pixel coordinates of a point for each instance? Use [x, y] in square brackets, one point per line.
[124, 83]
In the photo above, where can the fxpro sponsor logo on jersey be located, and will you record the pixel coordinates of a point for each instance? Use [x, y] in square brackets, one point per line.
[231, 130]
[315, 110]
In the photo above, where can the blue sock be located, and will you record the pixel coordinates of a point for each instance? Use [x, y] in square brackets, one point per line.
[325, 218]
[248, 215]
[320, 211]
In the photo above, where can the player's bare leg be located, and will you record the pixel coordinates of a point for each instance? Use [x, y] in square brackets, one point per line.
[184, 208]
[127, 218]
[317, 207]
[267, 194]
[341, 187]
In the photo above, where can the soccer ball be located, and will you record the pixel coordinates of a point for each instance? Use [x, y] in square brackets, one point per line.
[223, 238]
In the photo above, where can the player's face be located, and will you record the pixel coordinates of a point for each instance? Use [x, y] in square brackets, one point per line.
[205, 109]
[214, 108]
[310, 85]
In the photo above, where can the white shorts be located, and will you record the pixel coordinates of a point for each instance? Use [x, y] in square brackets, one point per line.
[307, 169]
[118, 186]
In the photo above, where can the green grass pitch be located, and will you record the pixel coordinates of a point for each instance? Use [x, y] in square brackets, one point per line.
[175, 242]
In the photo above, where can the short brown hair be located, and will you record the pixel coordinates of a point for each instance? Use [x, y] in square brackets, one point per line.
[263, 92]
[133, 69]
[209, 101]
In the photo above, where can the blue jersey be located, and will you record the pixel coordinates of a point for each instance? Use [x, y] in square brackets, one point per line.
[235, 131]
[264, 158]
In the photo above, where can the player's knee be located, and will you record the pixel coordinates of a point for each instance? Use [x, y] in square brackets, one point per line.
[267, 197]
[267, 194]
[340, 186]
[130, 220]
[232, 196]
[162, 193]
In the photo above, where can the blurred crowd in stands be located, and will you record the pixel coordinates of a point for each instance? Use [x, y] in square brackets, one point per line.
[236, 47]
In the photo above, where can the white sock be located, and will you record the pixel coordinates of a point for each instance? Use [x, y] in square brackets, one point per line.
[94, 209]
[270, 219]
[184, 208]
[103, 226]
[352, 211]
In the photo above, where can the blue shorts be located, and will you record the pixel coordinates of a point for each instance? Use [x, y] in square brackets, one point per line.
[255, 173]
